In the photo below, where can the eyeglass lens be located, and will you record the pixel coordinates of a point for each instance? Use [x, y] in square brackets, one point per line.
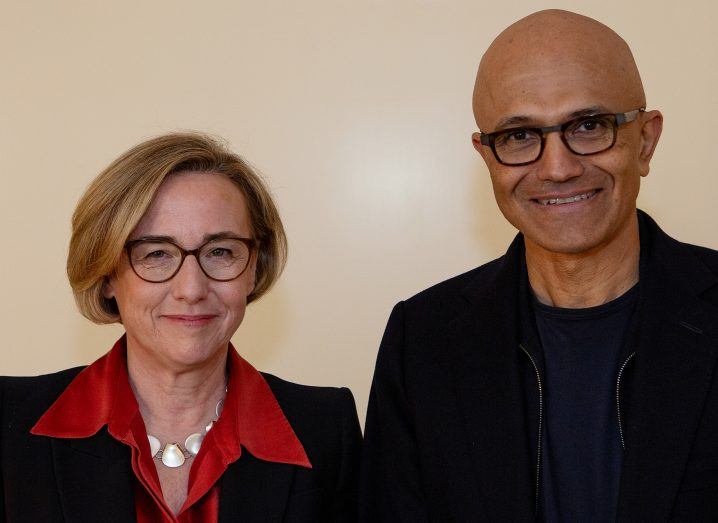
[582, 136]
[157, 261]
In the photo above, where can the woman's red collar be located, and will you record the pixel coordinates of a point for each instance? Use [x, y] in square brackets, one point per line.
[101, 395]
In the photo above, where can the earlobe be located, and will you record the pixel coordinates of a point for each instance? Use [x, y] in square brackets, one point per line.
[108, 290]
[650, 134]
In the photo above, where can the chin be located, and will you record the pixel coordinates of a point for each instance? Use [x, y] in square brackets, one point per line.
[573, 243]
[193, 353]
[196, 358]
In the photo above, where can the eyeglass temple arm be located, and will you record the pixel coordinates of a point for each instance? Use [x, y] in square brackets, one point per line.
[622, 118]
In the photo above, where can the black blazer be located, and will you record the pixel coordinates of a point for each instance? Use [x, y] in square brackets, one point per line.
[451, 437]
[90, 480]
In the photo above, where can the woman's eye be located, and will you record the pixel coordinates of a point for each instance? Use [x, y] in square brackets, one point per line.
[156, 254]
[220, 252]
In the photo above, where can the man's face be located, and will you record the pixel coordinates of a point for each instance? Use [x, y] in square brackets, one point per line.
[549, 92]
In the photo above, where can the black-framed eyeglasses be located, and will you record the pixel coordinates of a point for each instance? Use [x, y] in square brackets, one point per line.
[584, 136]
[159, 260]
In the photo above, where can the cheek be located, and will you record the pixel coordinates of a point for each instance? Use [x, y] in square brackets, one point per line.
[624, 157]
[498, 183]
[624, 172]
[506, 184]
[135, 300]
[235, 305]
[234, 297]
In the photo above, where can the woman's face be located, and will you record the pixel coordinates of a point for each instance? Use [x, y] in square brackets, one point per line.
[187, 321]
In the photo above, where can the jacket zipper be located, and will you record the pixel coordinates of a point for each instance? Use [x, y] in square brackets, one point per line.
[618, 398]
[540, 427]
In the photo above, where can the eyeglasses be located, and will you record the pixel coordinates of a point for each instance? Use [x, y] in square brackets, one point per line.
[221, 259]
[584, 136]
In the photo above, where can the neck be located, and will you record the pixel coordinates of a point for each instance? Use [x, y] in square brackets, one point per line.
[172, 403]
[587, 279]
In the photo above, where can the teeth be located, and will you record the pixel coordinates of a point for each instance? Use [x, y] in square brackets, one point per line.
[572, 199]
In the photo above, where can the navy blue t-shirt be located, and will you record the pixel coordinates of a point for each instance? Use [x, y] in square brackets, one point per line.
[582, 453]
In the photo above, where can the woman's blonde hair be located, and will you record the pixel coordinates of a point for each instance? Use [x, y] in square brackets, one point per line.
[116, 200]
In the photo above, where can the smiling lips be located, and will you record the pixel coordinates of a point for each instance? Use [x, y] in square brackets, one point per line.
[193, 320]
[570, 199]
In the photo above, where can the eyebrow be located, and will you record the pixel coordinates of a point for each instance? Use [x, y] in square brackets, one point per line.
[223, 235]
[525, 121]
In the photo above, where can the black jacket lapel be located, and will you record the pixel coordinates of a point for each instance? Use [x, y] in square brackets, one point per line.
[490, 395]
[675, 359]
[94, 479]
[254, 490]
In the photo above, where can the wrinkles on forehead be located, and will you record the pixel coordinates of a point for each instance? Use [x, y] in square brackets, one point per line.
[548, 62]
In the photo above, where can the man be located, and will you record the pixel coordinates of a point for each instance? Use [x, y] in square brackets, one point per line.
[574, 378]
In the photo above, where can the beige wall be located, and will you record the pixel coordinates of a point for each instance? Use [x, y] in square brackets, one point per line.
[358, 112]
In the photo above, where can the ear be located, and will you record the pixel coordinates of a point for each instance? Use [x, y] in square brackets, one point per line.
[252, 283]
[476, 141]
[108, 288]
[650, 133]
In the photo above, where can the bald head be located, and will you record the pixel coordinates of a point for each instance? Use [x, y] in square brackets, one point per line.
[550, 60]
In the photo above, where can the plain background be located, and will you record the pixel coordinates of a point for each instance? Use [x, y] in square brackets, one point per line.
[358, 113]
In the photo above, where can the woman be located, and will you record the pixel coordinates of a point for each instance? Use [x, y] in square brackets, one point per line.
[173, 240]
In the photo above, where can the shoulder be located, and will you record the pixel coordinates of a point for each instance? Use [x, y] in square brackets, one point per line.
[709, 259]
[36, 389]
[325, 421]
[708, 256]
[672, 251]
[430, 310]
[308, 405]
[23, 399]
[448, 290]
[61, 378]
[692, 267]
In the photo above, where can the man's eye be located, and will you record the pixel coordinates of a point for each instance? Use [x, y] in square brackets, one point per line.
[517, 136]
[591, 125]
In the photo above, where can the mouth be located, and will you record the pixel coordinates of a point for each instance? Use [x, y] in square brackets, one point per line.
[191, 320]
[569, 199]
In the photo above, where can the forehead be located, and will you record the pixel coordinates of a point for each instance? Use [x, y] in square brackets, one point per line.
[189, 206]
[553, 63]
[547, 90]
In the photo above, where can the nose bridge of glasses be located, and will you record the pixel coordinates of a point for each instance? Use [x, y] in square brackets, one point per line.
[195, 253]
[564, 131]
[552, 129]
[555, 133]
[190, 283]
[557, 161]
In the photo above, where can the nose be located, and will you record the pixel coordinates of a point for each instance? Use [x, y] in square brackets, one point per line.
[557, 162]
[190, 284]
